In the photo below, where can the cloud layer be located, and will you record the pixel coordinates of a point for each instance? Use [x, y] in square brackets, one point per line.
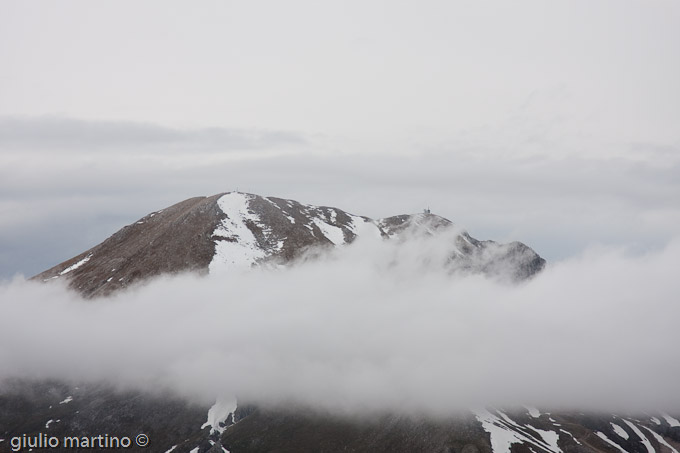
[370, 327]
[79, 189]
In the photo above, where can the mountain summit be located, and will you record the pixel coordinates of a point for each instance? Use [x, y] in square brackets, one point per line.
[238, 230]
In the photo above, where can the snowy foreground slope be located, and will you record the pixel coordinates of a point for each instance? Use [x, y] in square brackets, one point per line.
[235, 231]
[60, 409]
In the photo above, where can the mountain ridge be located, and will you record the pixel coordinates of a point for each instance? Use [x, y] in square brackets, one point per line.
[236, 230]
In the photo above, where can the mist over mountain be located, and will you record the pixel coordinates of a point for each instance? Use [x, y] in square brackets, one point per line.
[533, 310]
[245, 323]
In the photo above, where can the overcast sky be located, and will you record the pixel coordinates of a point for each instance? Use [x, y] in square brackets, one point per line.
[554, 123]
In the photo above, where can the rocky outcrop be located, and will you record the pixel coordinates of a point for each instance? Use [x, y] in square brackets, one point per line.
[218, 233]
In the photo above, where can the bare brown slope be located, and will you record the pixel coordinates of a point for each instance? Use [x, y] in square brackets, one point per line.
[183, 238]
[178, 238]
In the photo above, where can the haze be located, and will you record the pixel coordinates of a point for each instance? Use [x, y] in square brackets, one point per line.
[370, 327]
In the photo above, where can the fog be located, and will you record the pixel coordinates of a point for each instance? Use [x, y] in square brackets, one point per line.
[372, 326]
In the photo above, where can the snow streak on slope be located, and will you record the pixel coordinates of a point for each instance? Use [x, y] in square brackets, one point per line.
[331, 232]
[504, 432]
[671, 421]
[76, 265]
[641, 435]
[662, 441]
[604, 437]
[619, 431]
[239, 247]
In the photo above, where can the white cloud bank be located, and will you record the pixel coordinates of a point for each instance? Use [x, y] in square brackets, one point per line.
[361, 330]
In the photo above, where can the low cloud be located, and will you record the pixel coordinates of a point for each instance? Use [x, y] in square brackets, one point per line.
[370, 327]
[50, 133]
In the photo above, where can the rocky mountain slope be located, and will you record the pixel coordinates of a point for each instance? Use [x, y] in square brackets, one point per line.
[55, 409]
[236, 231]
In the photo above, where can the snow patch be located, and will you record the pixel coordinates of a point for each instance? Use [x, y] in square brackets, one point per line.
[642, 437]
[533, 411]
[171, 449]
[619, 431]
[219, 413]
[655, 420]
[662, 440]
[47, 425]
[363, 227]
[671, 421]
[332, 233]
[76, 266]
[279, 245]
[549, 437]
[572, 436]
[240, 248]
[288, 216]
[610, 442]
[67, 400]
[501, 437]
[504, 432]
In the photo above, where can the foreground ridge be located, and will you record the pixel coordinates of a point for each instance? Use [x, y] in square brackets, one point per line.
[55, 409]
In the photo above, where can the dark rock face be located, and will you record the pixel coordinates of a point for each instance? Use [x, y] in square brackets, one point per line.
[178, 238]
[61, 409]
[286, 431]
[190, 236]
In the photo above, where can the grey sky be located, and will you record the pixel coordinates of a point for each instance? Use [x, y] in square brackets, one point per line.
[551, 123]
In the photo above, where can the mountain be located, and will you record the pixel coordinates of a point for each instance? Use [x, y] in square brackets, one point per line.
[56, 409]
[237, 230]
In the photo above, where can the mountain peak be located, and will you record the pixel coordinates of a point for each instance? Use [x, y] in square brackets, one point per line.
[237, 230]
